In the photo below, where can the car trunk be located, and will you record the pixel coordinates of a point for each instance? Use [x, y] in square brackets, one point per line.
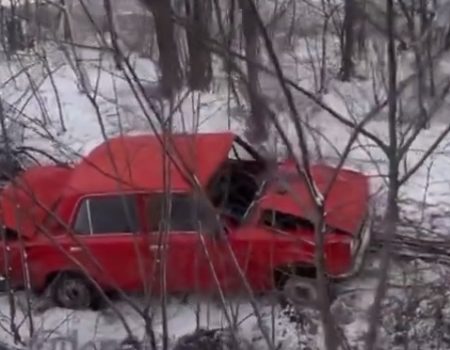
[25, 204]
[28, 200]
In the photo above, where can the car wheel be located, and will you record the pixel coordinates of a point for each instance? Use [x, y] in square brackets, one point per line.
[72, 292]
[300, 291]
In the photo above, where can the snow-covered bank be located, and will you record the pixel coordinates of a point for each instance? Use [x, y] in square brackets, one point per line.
[423, 197]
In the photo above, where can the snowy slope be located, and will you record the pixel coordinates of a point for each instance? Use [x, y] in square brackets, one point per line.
[424, 196]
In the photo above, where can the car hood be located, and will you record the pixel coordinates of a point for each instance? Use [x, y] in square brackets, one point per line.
[346, 204]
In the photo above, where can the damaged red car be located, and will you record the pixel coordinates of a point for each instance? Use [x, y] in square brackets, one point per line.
[177, 214]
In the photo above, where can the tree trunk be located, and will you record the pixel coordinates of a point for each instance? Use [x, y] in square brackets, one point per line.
[257, 123]
[361, 25]
[198, 13]
[425, 25]
[4, 31]
[392, 212]
[113, 33]
[64, 23]
[169, 62]
[347, 54]
[14, 29]
[447, 40]
[84, 83]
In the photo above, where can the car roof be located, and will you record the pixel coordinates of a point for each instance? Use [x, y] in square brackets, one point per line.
[124, 163]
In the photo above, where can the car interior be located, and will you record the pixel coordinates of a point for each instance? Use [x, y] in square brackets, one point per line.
[237, 183]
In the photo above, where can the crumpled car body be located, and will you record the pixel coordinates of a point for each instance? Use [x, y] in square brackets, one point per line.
[201, 212]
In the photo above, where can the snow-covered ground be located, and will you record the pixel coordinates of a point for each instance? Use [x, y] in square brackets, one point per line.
[46, 101]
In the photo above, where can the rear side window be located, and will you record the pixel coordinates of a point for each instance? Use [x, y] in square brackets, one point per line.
[283, 221]
[107, 214]
[187, 213]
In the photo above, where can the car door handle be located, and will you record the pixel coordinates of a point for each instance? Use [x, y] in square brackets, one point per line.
[74, 249]
[154, 247]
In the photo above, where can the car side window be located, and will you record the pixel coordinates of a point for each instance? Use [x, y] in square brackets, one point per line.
[186, 214]
[107, 214]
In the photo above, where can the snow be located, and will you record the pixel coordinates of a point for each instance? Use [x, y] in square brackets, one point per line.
[8, 3]
[423, 197]
[86, 326]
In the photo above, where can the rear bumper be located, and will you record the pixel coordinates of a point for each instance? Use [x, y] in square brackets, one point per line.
[360, 252]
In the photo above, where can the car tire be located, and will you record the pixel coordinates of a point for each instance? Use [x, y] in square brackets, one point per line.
[303, 291]
[300, 291]
[72, 291]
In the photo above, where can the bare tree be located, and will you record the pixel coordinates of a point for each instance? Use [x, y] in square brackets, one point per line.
[347, 64]
[257, 120]
[169, 61]
[113, 32]
[198, 13]
[202, 46]
[64, 22]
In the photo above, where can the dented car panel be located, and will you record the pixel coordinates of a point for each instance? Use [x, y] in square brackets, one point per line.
[345, 203]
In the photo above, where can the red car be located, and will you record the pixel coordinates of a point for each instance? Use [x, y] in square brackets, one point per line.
[205, 211]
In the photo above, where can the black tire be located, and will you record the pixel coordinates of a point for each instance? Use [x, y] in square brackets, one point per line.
[72, 291]
[300, 291]
[303, 291]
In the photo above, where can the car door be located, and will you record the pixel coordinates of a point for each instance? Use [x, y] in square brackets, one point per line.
[173, 246]
[217, 266]
[108, 240]
[191, 251]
